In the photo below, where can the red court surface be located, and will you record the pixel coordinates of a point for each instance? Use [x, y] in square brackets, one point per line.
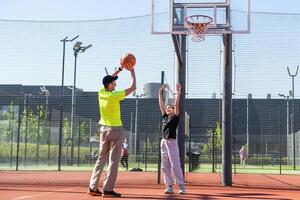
[38, 185]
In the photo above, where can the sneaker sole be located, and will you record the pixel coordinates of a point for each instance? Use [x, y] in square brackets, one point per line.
[93, 194]
[110, 196]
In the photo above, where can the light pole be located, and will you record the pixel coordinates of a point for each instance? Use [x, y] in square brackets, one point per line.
[62, 99]
[249, 98]
[287, 113]
[77, 48]
[131, 130]
[137, 96]
[293, 114]
[26, 109]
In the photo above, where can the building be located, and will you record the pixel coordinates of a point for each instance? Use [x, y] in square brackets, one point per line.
[265, 118]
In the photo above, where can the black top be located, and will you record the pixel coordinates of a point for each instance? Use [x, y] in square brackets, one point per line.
[169, 126]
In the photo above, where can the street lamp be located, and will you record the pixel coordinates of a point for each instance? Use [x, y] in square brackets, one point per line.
[293, 114]
[137, 96]
[287, 113]
[77, 48]
[62, 98]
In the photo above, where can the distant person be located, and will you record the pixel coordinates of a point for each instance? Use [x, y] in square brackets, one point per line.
[273, 160]
[243, 156]
[125, 144]
[111, 135]
[95, 155]
[171, 166]
[124, 155]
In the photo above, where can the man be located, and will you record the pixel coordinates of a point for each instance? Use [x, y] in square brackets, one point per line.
[111, 134]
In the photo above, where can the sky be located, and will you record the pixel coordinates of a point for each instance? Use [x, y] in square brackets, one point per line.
[109, 47]
[68, 10]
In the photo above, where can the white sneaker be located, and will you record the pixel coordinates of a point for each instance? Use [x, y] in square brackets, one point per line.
[169, 190]
[181, 189]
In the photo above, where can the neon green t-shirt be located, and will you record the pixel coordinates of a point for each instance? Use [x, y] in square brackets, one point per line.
[109, 104]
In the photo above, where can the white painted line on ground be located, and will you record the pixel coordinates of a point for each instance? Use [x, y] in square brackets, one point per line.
[42, 194]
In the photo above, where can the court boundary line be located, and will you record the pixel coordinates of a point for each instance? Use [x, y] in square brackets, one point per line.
[42, 194]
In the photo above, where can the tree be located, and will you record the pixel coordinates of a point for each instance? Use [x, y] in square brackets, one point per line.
[42, 123]
[9, 127]
[67, 135]
[41, 130]
[149, 146]
[9, 117]
[25, 129]
[213, 136]
[67, 131]
[84, 137]
[28, 125]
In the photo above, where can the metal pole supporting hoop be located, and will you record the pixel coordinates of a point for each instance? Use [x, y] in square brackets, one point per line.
[198, 25]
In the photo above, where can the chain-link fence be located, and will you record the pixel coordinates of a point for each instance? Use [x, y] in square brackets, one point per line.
[30, 131]
[266, 124]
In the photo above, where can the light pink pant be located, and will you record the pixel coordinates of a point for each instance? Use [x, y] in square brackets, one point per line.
[171, 162]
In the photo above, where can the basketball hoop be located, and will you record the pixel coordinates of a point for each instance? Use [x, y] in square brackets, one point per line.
[198, 25]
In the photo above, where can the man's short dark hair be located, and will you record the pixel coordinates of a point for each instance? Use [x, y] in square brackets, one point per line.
[108, 79]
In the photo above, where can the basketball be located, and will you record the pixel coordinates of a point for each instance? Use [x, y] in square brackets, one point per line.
[128, 61]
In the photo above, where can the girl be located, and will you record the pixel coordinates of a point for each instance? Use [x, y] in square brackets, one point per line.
[169, 146]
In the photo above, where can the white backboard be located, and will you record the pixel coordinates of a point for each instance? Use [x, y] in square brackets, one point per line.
[229, 16]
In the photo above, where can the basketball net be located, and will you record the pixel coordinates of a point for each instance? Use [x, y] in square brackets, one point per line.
[170, 91]
[198, 25]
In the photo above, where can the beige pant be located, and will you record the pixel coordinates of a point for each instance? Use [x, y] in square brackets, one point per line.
[111, 139]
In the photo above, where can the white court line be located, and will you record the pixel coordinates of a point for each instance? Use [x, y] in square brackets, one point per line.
[41, 194]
